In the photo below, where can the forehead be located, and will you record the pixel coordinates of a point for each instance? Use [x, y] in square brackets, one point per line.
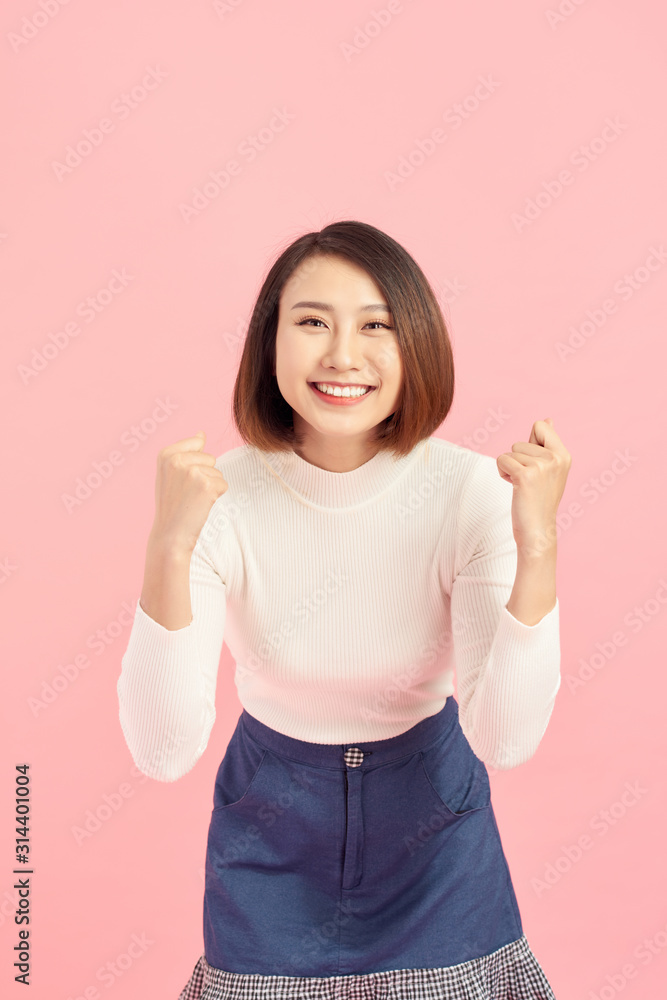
[331, 277]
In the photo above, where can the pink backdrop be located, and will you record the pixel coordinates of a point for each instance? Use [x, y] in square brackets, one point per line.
[517, 150]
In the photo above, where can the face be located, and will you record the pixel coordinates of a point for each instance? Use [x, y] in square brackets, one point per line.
[334, 327]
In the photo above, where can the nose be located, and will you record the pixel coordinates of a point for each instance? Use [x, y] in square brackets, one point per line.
[345, 355]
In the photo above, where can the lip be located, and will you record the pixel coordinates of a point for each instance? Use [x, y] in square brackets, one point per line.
[340, 400]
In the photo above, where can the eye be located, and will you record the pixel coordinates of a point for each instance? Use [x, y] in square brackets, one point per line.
[309, 319]
[314, 319]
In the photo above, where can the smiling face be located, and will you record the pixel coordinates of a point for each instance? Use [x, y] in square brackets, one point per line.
[335, 327]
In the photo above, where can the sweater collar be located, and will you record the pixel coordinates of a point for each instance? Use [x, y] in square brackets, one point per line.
[321, 488]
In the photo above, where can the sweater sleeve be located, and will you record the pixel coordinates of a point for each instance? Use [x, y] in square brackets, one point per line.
[508, 673]
[166, 689]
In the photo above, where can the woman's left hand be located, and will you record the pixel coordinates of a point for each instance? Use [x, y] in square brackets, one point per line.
[537, 470]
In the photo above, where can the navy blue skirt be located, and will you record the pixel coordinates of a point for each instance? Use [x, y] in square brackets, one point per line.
[368, 869]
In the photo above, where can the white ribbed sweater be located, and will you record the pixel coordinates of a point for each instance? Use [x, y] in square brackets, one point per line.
[347, 599]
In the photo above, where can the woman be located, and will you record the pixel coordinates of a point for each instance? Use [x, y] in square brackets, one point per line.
[349, 558]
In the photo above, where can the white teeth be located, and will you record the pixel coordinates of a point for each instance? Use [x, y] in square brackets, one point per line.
[337, 391]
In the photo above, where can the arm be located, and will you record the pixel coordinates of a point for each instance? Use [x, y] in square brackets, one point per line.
[166, 689]
[534, 591]
[165, 595]
[507, 665]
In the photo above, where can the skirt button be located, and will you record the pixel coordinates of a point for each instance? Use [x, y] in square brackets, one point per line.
[354, 757]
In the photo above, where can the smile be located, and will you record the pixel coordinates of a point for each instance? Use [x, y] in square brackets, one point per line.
[349, 396]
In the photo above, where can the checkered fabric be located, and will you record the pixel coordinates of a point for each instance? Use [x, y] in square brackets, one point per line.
[354, 757]
[510, 973]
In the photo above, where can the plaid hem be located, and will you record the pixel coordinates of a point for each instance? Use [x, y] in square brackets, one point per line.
[510, 973]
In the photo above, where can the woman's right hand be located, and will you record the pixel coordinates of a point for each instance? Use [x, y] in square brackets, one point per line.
[187, 485]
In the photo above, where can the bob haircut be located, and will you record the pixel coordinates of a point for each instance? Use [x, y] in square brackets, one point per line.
[264, 418]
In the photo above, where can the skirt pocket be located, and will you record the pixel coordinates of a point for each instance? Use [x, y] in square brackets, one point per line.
[458, 780]
[238, 770]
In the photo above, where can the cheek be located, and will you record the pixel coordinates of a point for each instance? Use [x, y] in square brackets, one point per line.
[296, 357]
[391, 371]
[289, 360]
[388, 361]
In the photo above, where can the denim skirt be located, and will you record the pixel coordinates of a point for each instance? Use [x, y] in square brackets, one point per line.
[366, 870]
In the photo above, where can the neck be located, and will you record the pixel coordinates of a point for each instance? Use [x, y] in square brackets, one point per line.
[335, 454]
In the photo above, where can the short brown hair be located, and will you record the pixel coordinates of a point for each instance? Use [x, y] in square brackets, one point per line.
[264, 418]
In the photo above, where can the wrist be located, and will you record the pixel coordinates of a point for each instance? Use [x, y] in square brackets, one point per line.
[168, 548]
[541, 545]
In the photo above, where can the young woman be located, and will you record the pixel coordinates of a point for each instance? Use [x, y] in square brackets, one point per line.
[350, 559]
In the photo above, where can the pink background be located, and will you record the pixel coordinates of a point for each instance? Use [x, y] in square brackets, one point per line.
[361, 97]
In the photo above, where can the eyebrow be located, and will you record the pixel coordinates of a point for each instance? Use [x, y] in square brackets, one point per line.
[327, 307]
